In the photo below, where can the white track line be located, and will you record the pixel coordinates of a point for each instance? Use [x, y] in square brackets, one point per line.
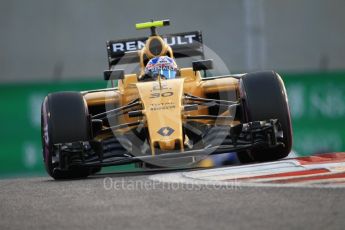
[233, 173]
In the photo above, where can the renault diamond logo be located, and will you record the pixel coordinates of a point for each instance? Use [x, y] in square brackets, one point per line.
[165, 131]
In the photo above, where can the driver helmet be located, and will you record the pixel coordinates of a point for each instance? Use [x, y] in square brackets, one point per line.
[164, 66]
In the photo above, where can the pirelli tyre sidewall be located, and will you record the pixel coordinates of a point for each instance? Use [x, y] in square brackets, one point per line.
[45, 135]
[264, 96]
[64, 118]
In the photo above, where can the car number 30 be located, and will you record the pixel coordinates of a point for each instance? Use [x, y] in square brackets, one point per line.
[165, 94]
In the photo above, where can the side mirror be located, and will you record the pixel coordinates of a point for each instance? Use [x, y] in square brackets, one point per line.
[202, 65]
[117, 74]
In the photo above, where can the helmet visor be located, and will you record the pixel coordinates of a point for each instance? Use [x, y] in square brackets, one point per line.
[167, 74]
[164, 73]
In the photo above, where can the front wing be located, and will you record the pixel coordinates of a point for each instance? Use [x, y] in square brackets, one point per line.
[259, 134]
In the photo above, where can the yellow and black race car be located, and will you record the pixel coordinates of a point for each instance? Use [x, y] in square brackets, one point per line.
[163, 115]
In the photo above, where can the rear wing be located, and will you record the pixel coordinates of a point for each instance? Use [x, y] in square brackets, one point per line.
[183, 45]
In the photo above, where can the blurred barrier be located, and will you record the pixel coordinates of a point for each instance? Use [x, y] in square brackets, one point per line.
[317, 102]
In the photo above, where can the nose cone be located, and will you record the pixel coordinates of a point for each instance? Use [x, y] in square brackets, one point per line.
[163, 111]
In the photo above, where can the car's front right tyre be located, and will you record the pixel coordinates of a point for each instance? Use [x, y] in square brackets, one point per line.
[64, 119]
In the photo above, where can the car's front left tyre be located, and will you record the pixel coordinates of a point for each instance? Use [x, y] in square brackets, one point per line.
[264, 97]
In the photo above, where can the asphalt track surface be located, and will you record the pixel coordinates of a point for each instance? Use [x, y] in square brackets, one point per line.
[133, 201]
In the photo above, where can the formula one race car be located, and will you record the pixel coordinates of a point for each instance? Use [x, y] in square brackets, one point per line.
[162, 115]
